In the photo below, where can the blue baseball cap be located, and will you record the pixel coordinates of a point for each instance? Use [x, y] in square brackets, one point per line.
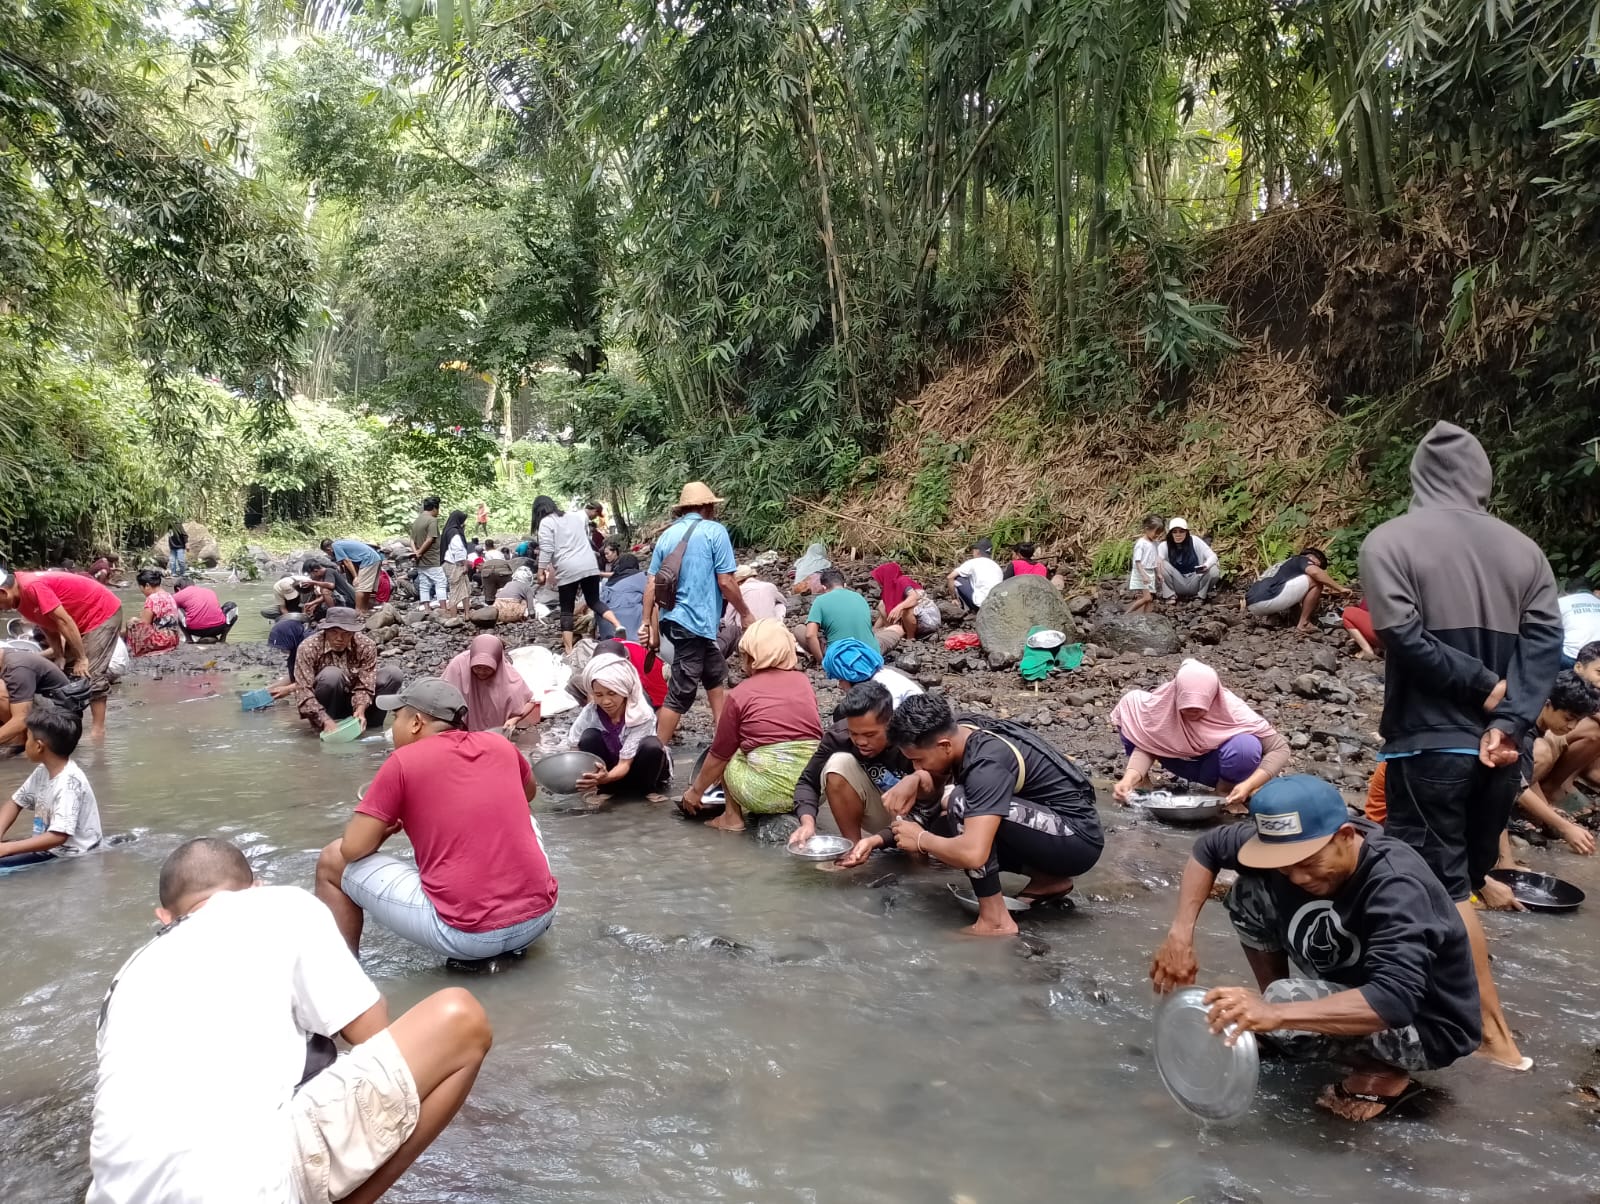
[1294, 817]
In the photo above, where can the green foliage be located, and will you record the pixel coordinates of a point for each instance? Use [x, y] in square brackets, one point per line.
[928, 504]
[1111, 558]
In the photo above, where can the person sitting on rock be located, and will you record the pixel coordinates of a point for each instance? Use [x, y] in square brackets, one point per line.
[769, 729]
[866, 779]
[974, 577]
[1018, 806]
[904, 603]
[337, 674]
[1391, 987]
[622, 595]
[808, 569]
[619, 726]
[481, 884]
[1199, 731]
[839, 613]
[1558, 756]
[1297, 581]
[498, 699]
[850, 662]
[1189, 568]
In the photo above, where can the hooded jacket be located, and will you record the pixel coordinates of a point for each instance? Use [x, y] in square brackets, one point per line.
[1460, 600]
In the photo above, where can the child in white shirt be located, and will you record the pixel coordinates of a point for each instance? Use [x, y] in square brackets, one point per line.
[1146, 565]
[66, 818]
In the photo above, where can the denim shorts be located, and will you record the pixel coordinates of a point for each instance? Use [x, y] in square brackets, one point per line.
[390, 891]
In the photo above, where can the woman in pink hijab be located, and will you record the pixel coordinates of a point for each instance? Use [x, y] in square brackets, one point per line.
[1200, 732]
[905, 605]
[496, 695]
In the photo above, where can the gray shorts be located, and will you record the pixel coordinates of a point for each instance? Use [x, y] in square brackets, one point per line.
[390, 891]
[1254, 915]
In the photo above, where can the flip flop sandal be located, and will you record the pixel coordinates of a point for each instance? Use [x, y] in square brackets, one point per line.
[1388, 1104]
[1061, 899]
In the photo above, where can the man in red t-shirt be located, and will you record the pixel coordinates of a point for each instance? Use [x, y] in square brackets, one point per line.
[80, 617]
[481, 884]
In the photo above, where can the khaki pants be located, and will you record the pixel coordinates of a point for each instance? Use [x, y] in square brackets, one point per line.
[843, 765]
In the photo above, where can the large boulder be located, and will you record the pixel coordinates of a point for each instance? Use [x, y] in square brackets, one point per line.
[1137, 633]
[203, 547]
[1015, 607]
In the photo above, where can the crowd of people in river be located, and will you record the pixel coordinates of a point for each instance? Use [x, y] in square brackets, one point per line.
[1359, 926]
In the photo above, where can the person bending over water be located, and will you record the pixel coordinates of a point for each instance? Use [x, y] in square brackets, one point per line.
[1020, 806]
[80, 618]
[66, 818]
[155, 628]
[26, 678]
[481, 885]
[217, 1076]
[867, 780]
[1556, 759]
[1391, 988]
[336, 673]
[1199, 731]
[769, 729]
[497, 696]
[619, 726]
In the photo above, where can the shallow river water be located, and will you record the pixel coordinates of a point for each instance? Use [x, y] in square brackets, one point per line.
[710, 1019]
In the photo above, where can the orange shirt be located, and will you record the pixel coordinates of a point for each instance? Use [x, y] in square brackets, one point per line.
[1377, 794]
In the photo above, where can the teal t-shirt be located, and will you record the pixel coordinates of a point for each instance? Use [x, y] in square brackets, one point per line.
[843, 614]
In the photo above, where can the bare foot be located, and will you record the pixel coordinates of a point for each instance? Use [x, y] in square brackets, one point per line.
[1512, 1061]
[1365, 656]
[1305, 629]
[1006, 927]
[723, 823]
[655, 797]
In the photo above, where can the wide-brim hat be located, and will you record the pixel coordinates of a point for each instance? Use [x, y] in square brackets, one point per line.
[344, 618]
[697, 493]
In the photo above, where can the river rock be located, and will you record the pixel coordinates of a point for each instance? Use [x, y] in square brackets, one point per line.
[1306, 686]
[1325, 658]
[1080, 606]
[1015, 607]
[1132, 633]
[484, 616]
[384, 616]
[1209, 633]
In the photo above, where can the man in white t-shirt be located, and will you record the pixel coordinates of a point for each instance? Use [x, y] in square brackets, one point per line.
[1580, 622]
[217, 1073]
[973, 578]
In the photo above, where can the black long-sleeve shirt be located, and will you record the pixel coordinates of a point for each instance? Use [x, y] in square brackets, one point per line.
[883, 770]
[1390, 932]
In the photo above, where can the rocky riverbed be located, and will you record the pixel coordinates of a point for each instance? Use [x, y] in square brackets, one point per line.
[1310, 687]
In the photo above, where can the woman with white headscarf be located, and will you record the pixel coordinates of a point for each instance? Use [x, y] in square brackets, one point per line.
[619, 727]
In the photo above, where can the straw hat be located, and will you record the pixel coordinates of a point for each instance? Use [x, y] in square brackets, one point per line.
[697, 493]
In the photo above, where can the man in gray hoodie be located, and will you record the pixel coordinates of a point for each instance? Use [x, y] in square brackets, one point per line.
[1466, 606]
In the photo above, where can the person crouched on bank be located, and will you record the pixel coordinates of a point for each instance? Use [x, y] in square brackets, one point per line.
[1384, 980]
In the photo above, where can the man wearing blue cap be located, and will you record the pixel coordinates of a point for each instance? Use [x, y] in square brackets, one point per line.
[1383, 974]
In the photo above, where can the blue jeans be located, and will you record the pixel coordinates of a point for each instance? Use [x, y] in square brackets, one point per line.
[180, 562]
[390, 891]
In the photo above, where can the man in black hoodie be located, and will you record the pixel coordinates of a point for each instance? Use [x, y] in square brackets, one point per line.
[1466, 607]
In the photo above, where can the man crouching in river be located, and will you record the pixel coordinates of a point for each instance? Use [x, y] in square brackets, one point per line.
[218, 1077]
[1389, 984]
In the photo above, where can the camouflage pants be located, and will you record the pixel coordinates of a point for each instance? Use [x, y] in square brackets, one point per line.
[1252, 909]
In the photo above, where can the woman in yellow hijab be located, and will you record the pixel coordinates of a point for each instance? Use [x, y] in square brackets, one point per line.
[769, 729]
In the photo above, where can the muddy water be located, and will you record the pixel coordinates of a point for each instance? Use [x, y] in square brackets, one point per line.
[711, 1019]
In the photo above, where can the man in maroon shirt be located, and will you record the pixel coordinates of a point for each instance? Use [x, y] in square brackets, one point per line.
[481, 884]
[79, 617]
